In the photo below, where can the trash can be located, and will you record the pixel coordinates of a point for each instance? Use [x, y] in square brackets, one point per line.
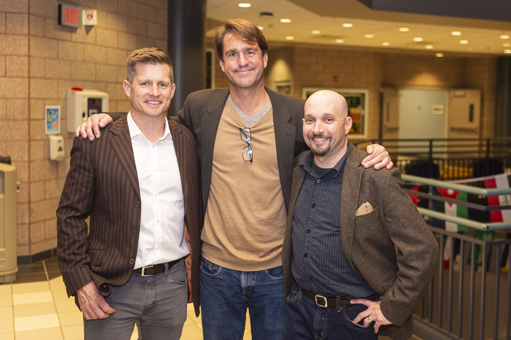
[8, 223]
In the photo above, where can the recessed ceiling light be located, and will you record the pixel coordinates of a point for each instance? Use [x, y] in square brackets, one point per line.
[260, 28]
[244, 5]
[316, 32]
[404, 29]
[285, 21]
[504, 36]
[290, 37]
[369, 36]
[347, 24]
[429, 47]
[386, 43]
[417, 39]
[463, 42]
[507, 51]
[439, 55]
[455, 33]
[506, 45]
[339, 41]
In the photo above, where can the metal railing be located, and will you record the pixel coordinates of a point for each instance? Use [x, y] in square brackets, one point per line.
[470, 296]
[448, 159]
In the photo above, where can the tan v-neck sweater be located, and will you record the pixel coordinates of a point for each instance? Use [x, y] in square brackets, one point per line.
[246, 215]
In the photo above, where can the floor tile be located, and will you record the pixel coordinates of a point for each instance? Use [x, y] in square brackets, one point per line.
[191, 332]
[31, 287]
[8, 336]
[5, 300]
[66, 306]
[71, 318]
[74, 332]
[41, 334]
[6, 326]
[34, 309]
[5, 289]
[60, 295]
[30, 298]
[30, 323]
[5, 312]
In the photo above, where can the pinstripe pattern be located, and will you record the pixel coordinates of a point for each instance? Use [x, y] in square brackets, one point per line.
[102, 182]
[369, 241]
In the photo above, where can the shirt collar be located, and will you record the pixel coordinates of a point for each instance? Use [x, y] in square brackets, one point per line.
[135, 131]
[306, 163]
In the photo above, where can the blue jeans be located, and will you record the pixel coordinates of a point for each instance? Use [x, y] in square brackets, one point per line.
[226, 294]
[157, 303]
[306, 320]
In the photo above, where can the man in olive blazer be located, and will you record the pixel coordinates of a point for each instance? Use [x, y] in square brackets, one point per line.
[369, 238]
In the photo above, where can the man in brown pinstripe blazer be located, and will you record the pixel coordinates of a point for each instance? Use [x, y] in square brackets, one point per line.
[140, 186]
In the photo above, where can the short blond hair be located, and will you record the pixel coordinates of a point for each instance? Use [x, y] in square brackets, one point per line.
[147, 55]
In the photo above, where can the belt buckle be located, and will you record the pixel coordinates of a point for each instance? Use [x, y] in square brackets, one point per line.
[143, 271]
[325, 302]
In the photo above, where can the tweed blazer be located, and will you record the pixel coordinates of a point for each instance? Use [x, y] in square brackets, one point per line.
[202, 111]
[102, 183]
[370, 241]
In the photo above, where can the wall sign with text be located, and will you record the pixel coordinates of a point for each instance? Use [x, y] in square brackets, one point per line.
[70, 15]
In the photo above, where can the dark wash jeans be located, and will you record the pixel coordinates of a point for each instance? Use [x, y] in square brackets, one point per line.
[226, 294]
[306, 320]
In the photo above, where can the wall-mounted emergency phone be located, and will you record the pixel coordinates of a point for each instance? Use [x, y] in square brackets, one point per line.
[81, 104]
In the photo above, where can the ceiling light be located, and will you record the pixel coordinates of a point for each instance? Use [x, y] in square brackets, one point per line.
[244, 5]
[386, 43]
[260, 28]
[439, 55]
[266, 15]
[417, 39]
[508, 51]
[285, 21]
[429, 47]
[339, 41]
[463, 42]
[455, 33]
[347, 25]
[404, 29]
[369, 36]
[316, 32]
[506, 45]
[290, 37]
[504, 36]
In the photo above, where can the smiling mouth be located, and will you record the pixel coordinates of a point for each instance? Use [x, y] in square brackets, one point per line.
[153, 102]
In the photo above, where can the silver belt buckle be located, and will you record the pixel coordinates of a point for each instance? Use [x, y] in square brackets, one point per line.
[143, 271]
[325, 302]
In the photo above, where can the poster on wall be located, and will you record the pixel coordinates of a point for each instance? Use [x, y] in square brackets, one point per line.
[52, 115]
[357, 100]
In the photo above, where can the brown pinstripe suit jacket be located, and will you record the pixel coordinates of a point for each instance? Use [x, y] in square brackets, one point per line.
[102, 182]
[369, 242]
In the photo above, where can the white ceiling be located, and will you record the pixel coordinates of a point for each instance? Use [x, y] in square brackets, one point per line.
[327, 16]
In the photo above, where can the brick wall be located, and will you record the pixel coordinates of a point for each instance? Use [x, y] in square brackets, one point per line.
[39, 60]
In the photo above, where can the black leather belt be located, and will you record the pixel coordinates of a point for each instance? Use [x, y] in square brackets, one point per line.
[323, 301]
[156, 269]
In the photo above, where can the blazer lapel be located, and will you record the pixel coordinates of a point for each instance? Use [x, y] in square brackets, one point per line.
[351, 180]
[121, 145]
[284, 139]
[180, 147]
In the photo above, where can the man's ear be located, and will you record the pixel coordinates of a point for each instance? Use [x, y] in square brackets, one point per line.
[221, 62]
[348, 123]
[126, 86]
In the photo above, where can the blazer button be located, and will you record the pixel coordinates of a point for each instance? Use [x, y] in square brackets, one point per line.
[132, 261]
[137, 205]
[135, 232]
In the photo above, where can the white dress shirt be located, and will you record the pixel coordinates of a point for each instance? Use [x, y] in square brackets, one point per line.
[161, 237]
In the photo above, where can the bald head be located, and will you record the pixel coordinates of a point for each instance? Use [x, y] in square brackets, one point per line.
[326, 126]
[332, 99]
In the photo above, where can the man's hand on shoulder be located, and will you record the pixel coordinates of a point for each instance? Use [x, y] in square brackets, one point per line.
[377, 157]
[90, 129]
[371, 314]
[92, 304]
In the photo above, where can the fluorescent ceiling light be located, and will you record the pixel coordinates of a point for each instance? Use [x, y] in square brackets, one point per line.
[404, 29]
[339, 41]
[417, 39]
[504, 36]
[463, 42]
[455, 33]
[347, 25]
[285, 21]
[386, 43]
[290, 37]
[439, 55]
[369, 36]
[429, 47]
[260, 28]
[316, 32]
[244, 5]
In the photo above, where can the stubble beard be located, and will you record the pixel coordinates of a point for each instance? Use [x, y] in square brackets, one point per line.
[314, 149]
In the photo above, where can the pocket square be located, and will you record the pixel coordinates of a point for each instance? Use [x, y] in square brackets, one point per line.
[365, 208]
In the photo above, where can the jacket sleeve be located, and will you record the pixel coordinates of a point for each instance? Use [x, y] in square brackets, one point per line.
[416, 251]
[74, 208]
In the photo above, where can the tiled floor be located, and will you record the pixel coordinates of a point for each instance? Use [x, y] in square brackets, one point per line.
[36, 307]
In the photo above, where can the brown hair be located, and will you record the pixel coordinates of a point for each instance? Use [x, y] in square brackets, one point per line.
[147, 55]
[243, 29]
